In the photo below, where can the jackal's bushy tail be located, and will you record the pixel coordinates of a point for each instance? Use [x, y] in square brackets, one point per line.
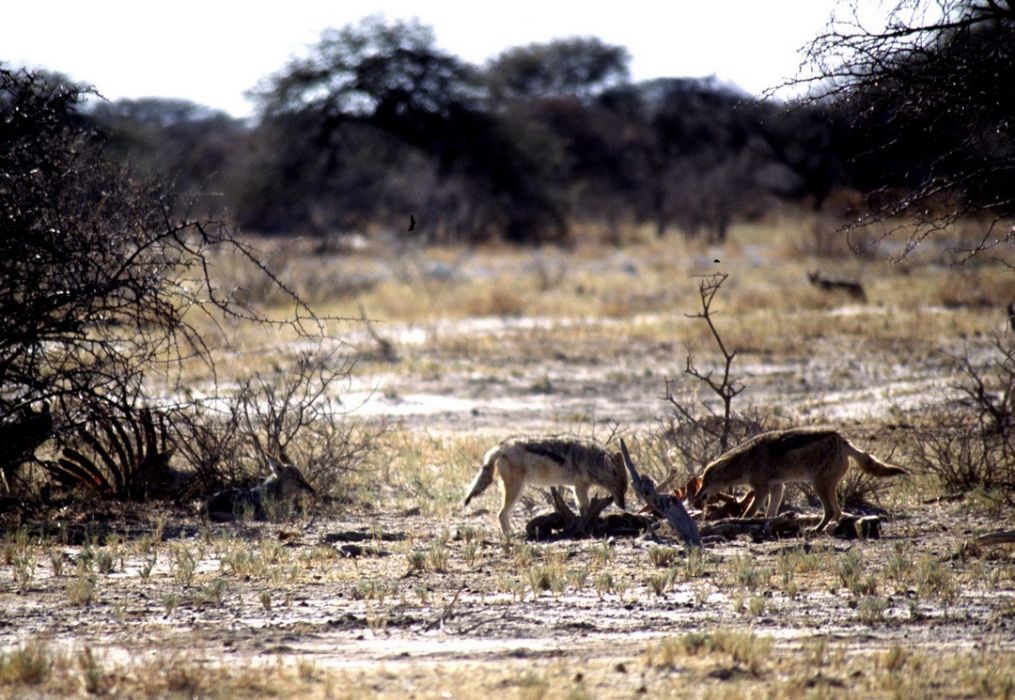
[483, 479]
[872, 465]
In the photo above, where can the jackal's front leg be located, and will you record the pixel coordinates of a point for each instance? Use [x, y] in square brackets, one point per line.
[775, 500]
[581, 493]
[761, 495]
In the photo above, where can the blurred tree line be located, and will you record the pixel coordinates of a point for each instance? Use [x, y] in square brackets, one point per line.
[377, 122]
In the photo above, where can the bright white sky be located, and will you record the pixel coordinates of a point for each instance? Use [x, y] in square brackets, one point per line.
[210, 52]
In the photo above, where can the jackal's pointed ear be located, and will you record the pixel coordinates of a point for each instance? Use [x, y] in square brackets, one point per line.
[701, 495]
[690, 489]
[694, 485]
[617, 458]
[276, 468]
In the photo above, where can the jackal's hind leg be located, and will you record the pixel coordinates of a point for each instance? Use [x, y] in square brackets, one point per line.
[512, 491]
[826, 494]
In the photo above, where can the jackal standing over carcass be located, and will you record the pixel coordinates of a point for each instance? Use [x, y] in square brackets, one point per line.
[553, 461]
[766, 462]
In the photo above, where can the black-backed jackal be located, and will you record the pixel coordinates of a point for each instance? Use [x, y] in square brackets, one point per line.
[850, 287]
[580, 464]
[276, 495]
[818, 456]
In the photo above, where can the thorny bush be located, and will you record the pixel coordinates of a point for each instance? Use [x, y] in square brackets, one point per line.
[296, 414]
[100, 285]
[973, 446]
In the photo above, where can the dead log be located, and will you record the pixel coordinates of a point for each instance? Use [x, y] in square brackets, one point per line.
[758, 529]
[999, 537]
[564, 523]
[847, 527]
[582, 524]
[669, 507]
[545, 527]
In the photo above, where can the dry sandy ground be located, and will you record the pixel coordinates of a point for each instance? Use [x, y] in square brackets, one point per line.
[608, 378]
[344, 595]
[420, 600]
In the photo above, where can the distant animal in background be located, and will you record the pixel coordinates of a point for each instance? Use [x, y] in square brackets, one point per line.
[280, 494]
[580, 464]
[766, 462]
[853, 289]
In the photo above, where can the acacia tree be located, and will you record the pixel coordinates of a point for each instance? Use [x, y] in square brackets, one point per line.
[549, 92]
[929, 105]
[579, 67]
[392, 79]
[199, 149]
[99, 281]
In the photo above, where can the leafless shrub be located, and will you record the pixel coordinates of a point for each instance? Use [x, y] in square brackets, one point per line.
[210, 441]
[278, 406]
[963, 458]
[686, 445]
[695, 432]
[101, 284]
[296, 413]
[974, 446]
[990, 393]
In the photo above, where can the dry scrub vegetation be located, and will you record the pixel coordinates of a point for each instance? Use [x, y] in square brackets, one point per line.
[388, 587]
